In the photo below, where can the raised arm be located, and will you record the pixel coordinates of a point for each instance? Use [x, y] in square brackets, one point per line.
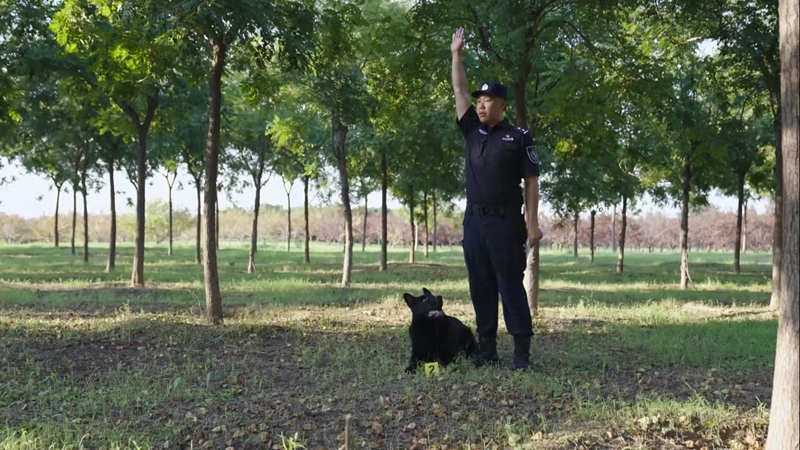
[459, 77]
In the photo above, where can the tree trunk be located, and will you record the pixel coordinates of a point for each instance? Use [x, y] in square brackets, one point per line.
[216, 222]
[288, 222]
[575, 234]
[425, 219]
[55, 224]
[412, 256]
[744, 227]
[531, 277]
[784, 424]
[777, 230]
[614, 229]
[74, 215]
[737, 245]
[384, 211]
[137, 275]
[364, 227]
[210, 272]
[591, 236]
[306, 250]
[199, 222]
[687, 183]
[340, 151]
[251, 263]
[169, 251]
[621, 252]
[84, 194]
[112, 238]
[433, 200]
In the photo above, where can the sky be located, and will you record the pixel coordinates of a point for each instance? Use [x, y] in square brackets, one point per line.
[31, 196]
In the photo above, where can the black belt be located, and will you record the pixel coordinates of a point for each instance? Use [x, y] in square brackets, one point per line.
[488, 209]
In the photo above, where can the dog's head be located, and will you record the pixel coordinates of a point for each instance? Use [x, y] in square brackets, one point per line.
[427, 305]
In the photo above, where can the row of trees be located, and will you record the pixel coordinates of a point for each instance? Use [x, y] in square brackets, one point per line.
[350, 97]
[711, 229]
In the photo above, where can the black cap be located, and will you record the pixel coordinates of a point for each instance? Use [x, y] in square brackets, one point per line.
[491, 88]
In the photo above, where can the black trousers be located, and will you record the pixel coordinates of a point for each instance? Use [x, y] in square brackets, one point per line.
[495, 257]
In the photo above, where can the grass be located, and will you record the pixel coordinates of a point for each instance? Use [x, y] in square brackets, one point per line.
[619, 361]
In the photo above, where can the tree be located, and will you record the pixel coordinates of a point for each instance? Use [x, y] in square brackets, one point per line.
[260, 26]
[251, 147]
[335, 78]
[132, 72]
[784, 422]
[746, 33]
[298, 132]
[682, 166]
[745, 130]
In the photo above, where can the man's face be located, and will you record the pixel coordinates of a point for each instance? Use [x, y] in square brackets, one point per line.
[490, 109]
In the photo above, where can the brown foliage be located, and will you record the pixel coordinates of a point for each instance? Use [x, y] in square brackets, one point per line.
[709, 230]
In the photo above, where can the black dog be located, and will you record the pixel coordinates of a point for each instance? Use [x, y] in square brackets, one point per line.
[435, 336]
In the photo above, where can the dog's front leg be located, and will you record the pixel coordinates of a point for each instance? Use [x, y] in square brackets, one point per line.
[413, 363]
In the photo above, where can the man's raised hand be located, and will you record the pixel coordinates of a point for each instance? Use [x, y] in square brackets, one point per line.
[458, 41]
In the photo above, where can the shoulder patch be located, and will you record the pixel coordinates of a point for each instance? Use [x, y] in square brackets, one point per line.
[532, 155]
[523, 130]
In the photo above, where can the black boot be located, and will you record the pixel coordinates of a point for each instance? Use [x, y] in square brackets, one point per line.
[522, 345]
[487, 351]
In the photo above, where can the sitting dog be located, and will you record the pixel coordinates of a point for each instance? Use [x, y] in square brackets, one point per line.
[435, 336]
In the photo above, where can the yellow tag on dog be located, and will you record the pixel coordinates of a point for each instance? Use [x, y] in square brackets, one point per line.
[432, 369]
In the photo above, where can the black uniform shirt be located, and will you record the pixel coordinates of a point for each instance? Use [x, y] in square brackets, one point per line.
[497, 158]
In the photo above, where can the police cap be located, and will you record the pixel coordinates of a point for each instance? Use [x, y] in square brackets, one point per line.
[491, 88]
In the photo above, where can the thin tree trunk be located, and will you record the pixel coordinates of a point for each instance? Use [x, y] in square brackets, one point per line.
[614, 229]
[210, 271]
[433, 194]
[306, 250]
[169, 251]
[737, 245]
[531, 276]
[288, 222]
[687, 183]
[412, 254]
[251, 264]
[74, 215]
[216, 222]
[575, 234]
[55, 225]
[621, 249]
[84, 168]
[364, 227]
[784, 422]
[591, 236]
[137, 275]
[199, 223]
[425, 219]
[777, 230]
[112, 238]
[744, 226]
[384, 211]
[340, 151]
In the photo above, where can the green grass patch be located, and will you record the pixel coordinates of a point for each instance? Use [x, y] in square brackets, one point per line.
[619, 360]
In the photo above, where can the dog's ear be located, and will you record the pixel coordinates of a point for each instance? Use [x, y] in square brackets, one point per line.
[439, 301]
[426, 291]
[410, 299]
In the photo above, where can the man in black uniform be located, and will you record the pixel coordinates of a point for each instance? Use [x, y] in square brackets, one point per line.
[498, 155]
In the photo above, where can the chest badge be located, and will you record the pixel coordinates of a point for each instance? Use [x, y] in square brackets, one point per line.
[508, 138]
